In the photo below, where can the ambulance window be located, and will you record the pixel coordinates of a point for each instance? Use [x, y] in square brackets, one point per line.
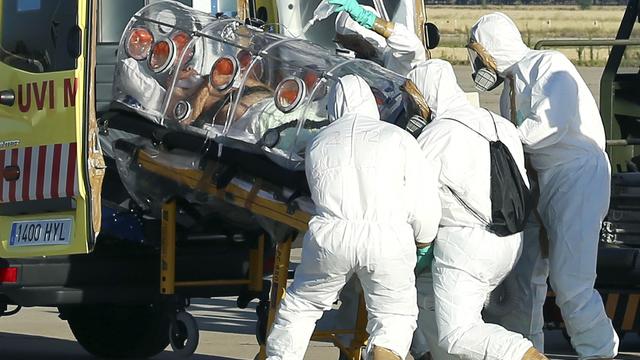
[114, 16]
[37, 34]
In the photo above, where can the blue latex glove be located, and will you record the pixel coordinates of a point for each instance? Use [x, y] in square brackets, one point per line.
[424, 259]
[356, 11]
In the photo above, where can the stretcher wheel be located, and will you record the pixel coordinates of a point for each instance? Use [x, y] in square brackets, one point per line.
[183, 334]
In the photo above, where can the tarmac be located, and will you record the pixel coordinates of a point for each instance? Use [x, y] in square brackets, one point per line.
[226, 333]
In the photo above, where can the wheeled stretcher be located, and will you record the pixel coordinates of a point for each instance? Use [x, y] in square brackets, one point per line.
[243, 180]
[216, 114]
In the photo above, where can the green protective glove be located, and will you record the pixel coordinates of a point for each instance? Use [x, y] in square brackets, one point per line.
[424, 259]
[356, 11]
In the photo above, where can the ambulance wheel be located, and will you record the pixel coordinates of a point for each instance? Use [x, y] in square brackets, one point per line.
[119, 331]
[183, 334]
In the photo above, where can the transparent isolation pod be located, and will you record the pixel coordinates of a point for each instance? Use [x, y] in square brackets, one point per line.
[243, 87]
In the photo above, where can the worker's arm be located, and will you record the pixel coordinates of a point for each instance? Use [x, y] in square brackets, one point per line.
[510, 136]
[554, 104]
[404, 50]
[505, 101]
[361, 15]
[422, 193]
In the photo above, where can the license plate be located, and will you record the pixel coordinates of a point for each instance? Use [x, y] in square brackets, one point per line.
[41, 232]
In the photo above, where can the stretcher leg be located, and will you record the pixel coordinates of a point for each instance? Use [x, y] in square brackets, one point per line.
[168, 249]
[352, 351]
[183, 331]
[256, 266]
[360, 336]
[278, 285]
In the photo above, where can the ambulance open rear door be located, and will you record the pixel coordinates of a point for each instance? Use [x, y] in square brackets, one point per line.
[51, 166]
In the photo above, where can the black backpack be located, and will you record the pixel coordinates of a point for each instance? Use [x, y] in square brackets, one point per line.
[511, 199]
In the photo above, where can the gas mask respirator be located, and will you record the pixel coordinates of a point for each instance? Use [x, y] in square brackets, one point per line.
[485, 74]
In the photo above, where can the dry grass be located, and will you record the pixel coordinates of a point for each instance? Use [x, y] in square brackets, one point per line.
[535, 23]
[557, 21]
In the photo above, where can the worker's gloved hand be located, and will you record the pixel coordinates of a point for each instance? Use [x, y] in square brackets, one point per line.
[424, 259]
[356, 11]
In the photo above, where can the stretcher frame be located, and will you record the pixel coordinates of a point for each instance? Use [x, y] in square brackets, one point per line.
[233, 194]
[168, 283]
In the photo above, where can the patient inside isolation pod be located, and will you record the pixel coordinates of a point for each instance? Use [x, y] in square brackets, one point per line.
[165, 56]
[157, 47]
[280, 113]
[289, 69]
[283, 125]
[248, 89]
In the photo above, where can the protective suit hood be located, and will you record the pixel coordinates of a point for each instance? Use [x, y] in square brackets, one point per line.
[500, 36]
[437, 82]
[351, 95]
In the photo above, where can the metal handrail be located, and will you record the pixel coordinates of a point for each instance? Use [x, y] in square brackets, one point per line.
[584, 42]
[623, 142]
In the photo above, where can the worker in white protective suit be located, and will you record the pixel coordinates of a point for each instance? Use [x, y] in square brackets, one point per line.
[374, 195]
[562, 133]
[469, 261]
[396, 47]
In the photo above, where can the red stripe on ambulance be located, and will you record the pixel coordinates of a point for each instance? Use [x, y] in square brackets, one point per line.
[46, 172]
[12, 184]
[55, 173]
[71, 169]
[27, 173]
[42, 161]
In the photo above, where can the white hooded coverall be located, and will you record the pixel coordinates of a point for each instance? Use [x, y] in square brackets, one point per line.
[399, 53]
[469, 261]
[563, 135]
[374, 195]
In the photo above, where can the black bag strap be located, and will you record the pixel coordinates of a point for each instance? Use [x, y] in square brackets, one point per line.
[495, 127]
[468, 207]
